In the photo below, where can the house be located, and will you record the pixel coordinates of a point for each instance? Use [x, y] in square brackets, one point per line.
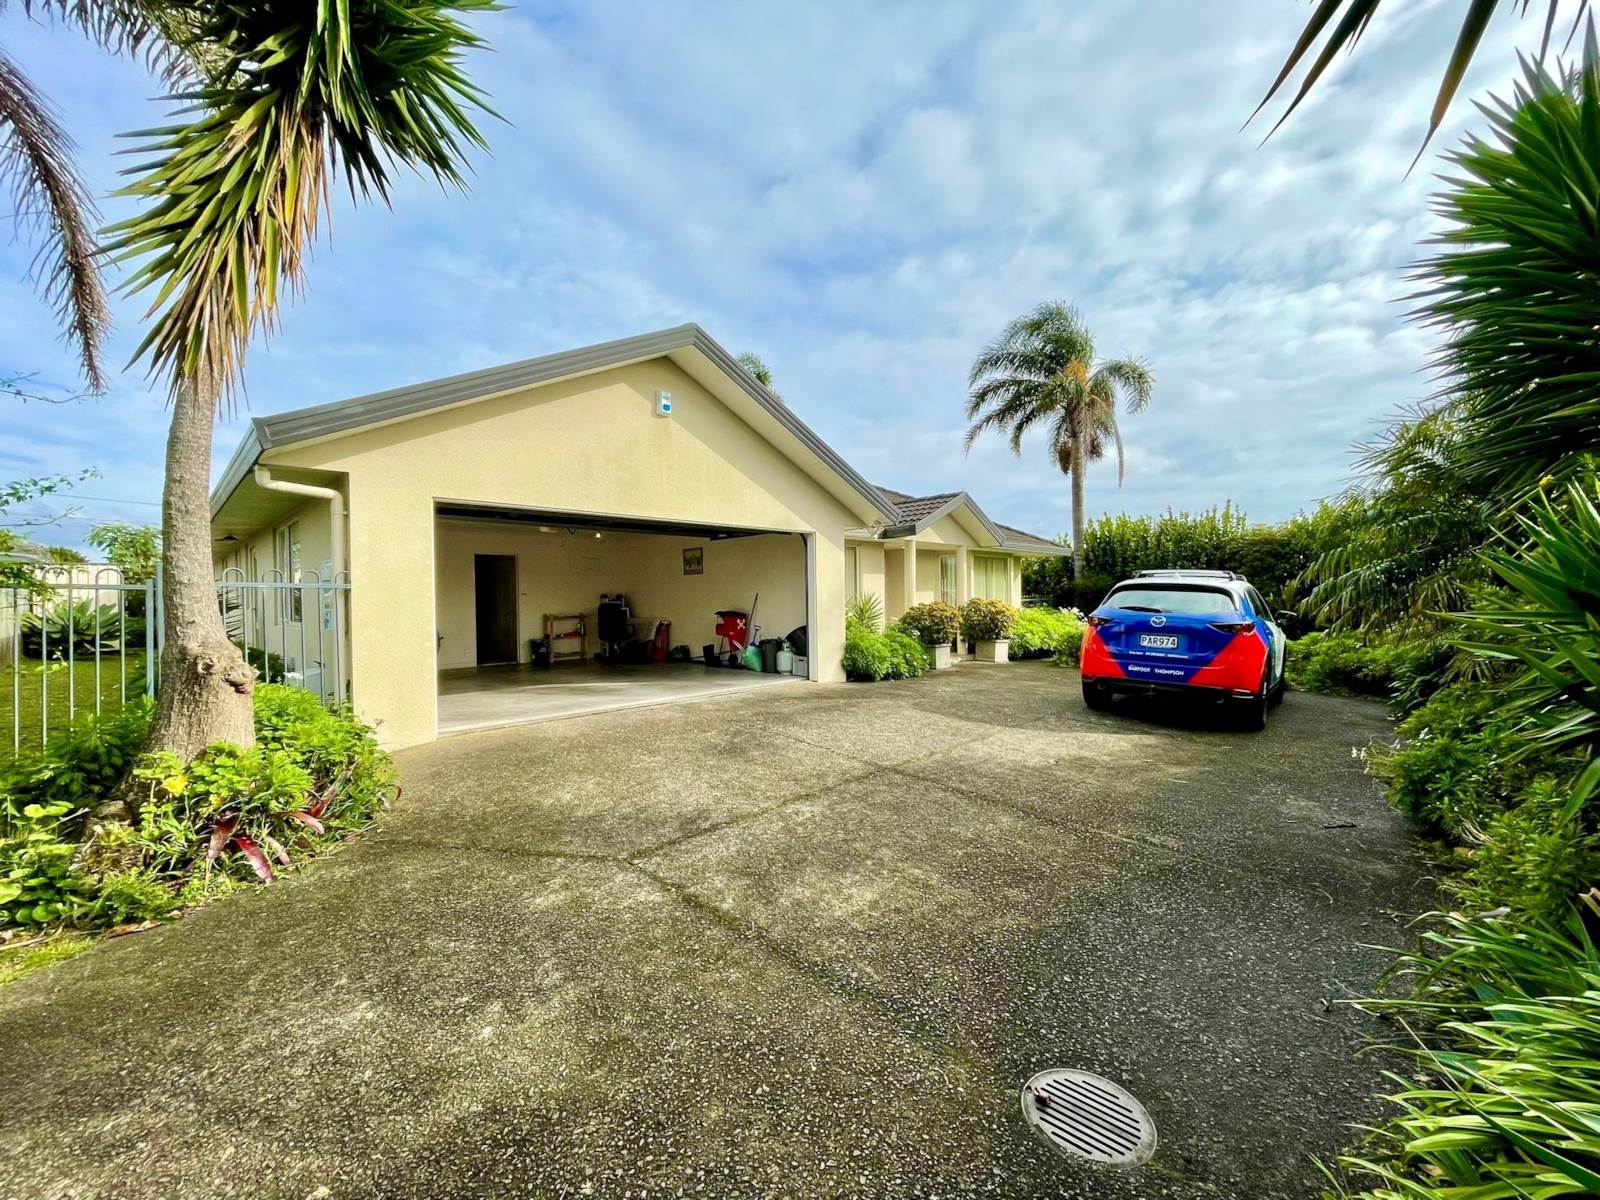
[466, 511]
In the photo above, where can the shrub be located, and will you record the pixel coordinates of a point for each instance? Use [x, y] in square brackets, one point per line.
[77, 767]
[1344, 664]
[269, 664]
[339, 753]
[1458, 763]
[1041, 632]
[82, 623]
[986, 620]
[866, 653]
[1069, 650]
[908, 658]
[932, 624]
[1535, 858]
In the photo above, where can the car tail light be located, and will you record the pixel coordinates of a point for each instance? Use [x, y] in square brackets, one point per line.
[1096, 620]
[1234, 626]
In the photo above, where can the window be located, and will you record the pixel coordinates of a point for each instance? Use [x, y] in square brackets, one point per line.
[852, 573]
[991, 577]
[288, 556]
[1192, 601]
[947, 578]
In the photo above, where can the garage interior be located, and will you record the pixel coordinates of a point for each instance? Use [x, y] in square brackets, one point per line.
[504, 576]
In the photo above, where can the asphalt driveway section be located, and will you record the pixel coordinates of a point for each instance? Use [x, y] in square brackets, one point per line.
[801, 943]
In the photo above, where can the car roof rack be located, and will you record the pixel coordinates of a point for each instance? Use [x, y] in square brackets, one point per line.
[1185, 574]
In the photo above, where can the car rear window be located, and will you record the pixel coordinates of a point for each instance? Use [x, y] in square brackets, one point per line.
[1195, 601]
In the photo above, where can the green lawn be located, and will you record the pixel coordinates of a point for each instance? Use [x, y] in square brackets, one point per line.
[66, 691]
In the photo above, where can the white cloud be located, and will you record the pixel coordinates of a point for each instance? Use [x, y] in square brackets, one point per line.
[865, 196]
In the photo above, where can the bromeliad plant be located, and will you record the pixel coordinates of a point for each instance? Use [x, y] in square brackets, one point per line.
[231, 800]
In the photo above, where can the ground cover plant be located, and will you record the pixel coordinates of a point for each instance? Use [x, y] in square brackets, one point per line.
[228, 817]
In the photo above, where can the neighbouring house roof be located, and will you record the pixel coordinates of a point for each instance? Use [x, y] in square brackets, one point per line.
[919, 512]
[343, 416]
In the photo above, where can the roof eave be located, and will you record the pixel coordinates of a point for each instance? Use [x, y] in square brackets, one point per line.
[342, 416]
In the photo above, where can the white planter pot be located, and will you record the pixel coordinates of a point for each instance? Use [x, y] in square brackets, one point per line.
[941, 655]
[994, 652]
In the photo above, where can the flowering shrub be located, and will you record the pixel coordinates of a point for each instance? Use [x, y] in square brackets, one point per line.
[932, 624]
[986, 620]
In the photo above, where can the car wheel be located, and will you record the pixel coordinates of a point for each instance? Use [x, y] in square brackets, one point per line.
[1095, 696]
[1279, 690]
[1251, 714]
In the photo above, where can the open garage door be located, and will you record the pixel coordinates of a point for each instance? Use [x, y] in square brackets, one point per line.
[603, 612]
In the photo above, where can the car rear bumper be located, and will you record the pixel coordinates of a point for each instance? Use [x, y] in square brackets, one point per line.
[1119, 686]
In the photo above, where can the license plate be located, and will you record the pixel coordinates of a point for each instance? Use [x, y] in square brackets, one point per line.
[1159, 641]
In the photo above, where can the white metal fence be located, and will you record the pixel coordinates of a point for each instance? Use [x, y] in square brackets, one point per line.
[73, 645]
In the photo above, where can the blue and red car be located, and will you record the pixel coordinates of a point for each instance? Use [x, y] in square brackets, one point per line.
[1206, 634]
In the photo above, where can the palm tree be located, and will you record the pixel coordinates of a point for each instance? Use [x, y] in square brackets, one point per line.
[275, 100]
[1042, 371]
[755, 367]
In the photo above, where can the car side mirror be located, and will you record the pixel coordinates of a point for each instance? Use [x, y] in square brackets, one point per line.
[1287, 618]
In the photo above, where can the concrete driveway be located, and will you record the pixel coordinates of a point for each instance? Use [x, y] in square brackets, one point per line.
[801, 942]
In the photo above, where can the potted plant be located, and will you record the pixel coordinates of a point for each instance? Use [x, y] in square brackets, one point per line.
[988, 624]
[936, 626]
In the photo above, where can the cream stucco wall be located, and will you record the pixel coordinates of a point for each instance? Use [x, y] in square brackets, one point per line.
[736, 569]
[590, 445]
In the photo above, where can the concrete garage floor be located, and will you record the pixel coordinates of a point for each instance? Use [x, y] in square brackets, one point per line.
[801, 942]
[491, 697]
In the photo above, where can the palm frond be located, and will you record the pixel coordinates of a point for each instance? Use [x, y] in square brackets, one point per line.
[235, 188]
[161, 33]
[1133, 378]
[1354, 18]
[36, 159]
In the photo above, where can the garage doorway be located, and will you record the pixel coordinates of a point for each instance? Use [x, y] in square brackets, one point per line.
[494, 586]
[630, 605]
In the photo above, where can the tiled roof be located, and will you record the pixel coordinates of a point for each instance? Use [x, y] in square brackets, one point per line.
[914, 509]
[1021, 539]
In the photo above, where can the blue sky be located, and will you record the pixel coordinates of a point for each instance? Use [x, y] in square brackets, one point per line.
[863, 194]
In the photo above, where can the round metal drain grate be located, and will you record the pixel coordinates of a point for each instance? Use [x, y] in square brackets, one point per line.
[1089, 1117]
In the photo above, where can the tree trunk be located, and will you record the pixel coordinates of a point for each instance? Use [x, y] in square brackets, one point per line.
[1080, 459]
[205, 684]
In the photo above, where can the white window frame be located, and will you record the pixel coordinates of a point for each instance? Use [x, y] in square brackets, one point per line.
[286, 549]
[852, 571]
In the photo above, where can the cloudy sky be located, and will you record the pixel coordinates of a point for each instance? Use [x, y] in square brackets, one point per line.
[863, 194]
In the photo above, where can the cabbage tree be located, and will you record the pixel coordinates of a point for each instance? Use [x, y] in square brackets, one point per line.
[292, 98]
